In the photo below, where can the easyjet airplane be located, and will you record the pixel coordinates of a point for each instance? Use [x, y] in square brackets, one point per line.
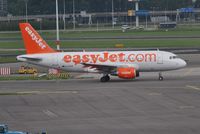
[124, 64]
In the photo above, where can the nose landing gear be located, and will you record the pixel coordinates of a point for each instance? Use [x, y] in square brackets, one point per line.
[105, 78]
[160, 77]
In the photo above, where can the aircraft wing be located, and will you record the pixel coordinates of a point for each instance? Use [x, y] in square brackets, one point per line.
[105, 67]
[100, 67]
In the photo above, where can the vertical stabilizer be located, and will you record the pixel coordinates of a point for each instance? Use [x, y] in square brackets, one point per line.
[33, 42]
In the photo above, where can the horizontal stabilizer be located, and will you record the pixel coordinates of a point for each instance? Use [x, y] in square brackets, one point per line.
[26, 58]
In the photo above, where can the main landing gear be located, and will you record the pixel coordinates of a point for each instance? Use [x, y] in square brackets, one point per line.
[160, 77]
[105, 78]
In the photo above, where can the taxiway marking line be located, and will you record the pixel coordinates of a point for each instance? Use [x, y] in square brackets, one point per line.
[155, 94]
[47, 92]
[193, 87]
[186, 107]
[38, 92]
[49, 113]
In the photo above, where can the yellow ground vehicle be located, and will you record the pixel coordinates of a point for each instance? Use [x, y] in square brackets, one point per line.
[27, 70]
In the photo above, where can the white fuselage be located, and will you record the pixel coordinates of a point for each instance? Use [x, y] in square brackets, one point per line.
[142, 61]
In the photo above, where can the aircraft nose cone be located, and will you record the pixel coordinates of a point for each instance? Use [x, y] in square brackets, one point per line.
[183, 63]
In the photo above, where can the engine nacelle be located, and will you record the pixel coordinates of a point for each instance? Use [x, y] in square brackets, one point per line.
[127, 73]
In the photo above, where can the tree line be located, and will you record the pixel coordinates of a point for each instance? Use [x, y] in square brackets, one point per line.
[17, 7]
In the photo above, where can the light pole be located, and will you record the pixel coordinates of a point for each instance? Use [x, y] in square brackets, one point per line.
[146, 21]
[154, 18]
[64, 15]
[57, 28]
[137, 9]
[26, 5]
[74, 19]
[193, 5]
[113, 25]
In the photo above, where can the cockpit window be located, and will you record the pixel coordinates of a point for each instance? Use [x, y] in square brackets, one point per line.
[173, 57]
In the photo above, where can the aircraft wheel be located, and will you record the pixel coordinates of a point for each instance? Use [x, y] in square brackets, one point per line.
[161, 78]
[105, 78]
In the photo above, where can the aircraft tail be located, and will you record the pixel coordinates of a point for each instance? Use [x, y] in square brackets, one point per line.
[33, 42]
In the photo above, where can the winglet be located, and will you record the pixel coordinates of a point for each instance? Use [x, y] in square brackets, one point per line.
[33, 42]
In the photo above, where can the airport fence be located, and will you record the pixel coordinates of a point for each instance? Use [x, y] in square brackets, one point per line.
[5, 71]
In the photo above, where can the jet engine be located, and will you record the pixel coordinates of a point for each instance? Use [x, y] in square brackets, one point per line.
[127, 73]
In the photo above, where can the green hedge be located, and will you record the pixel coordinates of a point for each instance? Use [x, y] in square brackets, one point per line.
[14, 25]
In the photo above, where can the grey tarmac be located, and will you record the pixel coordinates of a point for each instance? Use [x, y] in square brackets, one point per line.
[141, 106]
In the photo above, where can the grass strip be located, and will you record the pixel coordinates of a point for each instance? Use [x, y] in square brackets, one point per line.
[14, 93]
[108, 43]
[187, 30]
[32, 77]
